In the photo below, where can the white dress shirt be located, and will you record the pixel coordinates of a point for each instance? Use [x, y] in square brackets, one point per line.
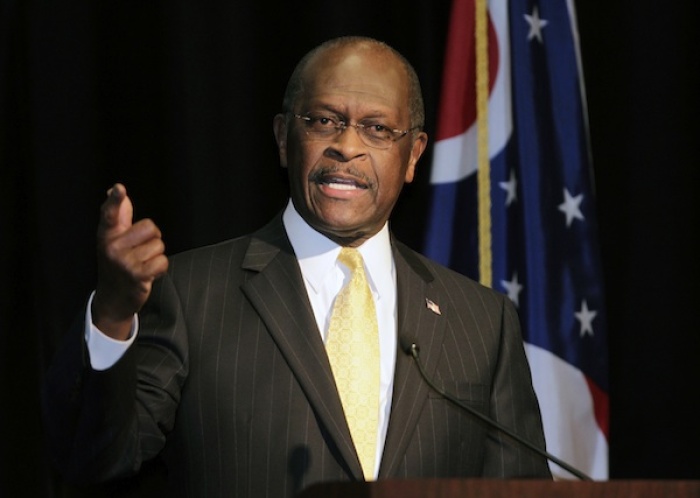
[323, 277]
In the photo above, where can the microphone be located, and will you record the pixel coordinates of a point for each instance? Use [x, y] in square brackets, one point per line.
[412, 349]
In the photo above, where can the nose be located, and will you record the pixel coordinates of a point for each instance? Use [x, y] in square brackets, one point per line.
[348, 144]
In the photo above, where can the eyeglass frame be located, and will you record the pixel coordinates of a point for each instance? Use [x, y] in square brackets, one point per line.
[341, 126]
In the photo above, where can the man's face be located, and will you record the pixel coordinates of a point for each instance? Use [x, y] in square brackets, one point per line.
[342, 187]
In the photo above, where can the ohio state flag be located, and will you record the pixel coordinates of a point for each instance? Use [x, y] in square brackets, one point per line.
[544, 252]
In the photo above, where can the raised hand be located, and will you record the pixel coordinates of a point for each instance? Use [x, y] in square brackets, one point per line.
[130, 256]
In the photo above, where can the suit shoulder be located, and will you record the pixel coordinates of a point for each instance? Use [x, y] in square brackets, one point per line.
[445, 277]
[227, 250]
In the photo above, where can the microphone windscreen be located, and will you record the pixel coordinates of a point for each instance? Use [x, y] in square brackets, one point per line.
[406, 344]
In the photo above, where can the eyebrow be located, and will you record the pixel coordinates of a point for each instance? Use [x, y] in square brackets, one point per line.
[372, 114]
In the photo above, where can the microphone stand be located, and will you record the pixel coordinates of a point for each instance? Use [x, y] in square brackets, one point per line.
[413, 350]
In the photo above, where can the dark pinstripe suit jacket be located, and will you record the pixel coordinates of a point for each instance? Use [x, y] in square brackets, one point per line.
[230, 385]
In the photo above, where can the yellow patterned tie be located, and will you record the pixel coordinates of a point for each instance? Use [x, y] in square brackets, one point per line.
[353, 350]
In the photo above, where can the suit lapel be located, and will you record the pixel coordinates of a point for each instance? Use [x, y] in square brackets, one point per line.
[278, 294]
[417, 323]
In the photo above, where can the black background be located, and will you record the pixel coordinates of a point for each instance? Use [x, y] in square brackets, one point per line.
[176, 99]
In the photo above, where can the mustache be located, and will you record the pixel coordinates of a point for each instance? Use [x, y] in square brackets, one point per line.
[321, 174]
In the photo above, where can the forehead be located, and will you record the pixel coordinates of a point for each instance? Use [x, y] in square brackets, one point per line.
[361, 78]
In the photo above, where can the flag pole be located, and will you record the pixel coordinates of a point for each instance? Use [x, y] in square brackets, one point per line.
[484, 166]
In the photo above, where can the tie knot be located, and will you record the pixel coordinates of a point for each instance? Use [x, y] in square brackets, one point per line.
[351, 258]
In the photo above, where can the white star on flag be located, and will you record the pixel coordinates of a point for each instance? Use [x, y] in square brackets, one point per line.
[536, 25]
[586, 316]
[513, 288]
[510, 187]
[571, 207]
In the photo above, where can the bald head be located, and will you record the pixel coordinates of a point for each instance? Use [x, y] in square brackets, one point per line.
[336, 49]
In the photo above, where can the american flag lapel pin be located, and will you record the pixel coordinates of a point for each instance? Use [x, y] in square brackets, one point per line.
[432, 306]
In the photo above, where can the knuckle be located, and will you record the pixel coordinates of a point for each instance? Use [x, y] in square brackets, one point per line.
[148, 227]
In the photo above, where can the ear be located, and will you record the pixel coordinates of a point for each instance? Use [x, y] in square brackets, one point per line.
[279, 127]
[420, 141]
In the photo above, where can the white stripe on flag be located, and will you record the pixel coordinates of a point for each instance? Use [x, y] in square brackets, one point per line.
[455, 158]
[570, 428]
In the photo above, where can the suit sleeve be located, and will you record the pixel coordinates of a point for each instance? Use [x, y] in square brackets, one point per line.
[103, 425]
[514, 404]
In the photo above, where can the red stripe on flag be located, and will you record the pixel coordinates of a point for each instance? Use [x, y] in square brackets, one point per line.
[458, 98]
[600, 406]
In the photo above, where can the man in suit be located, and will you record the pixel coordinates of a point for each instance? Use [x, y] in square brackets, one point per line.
[215, 362]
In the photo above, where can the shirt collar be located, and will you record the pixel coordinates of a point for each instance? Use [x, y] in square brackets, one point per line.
[317, 254]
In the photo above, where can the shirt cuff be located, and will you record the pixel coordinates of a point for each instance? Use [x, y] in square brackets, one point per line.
[105, 351]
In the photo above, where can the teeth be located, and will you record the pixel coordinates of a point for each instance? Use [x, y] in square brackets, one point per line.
[342, 186]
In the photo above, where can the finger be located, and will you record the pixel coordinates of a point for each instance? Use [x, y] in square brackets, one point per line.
[148, 250]
[117, 190]
[139, 233]
[156, 267]
[143, 272]
[132, 249]
[117, 210]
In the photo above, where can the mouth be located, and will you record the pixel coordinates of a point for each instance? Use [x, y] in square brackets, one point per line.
[344, 181]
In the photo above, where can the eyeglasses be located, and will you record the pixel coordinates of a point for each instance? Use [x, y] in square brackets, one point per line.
[373, 134]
